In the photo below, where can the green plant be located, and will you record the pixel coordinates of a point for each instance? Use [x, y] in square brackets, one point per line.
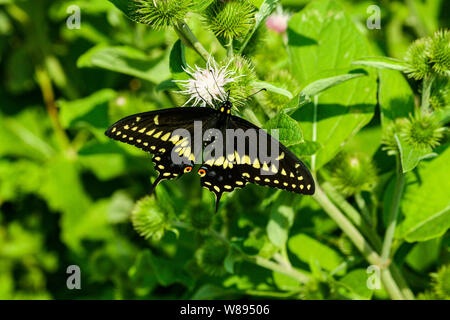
[69, 195]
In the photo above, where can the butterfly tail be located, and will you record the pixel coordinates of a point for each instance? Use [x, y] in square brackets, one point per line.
[155, 183]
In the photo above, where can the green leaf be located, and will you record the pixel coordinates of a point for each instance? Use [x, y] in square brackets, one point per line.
[318, 86]
[126, 6]
[382, 63]
[265, 10]
[311, 251]
[425, 204]
[280, 221]
[126, 60]
[395, 96]
[26, 135]
[424, 254]
[200, 5]
[272, 88]
[177, 61]
[322, 43]
[409, 155]
[289, 130]
[355, 282]
[92, 110]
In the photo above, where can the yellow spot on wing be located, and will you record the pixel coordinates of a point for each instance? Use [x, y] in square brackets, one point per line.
[126, 127]
[157, 135]
[266, 180]
[219, 161]
[308, 186]
[134, 128]
[246, 159]
[274, 169]
[285, 184]
[217, 188]
[156, 119]
[300, 178]
[245, 174]
[228, 187]
[276, 181]
[113, 129]
[166, 174]
[302, 186]
[283, 172]
[281, 156]
[149, 133]
[142, 130]
[238, 158]
[256, 163]
[161, 167]
[257, 178]
[265, 167]
[239, 183]
[165, 137]
[291, 175]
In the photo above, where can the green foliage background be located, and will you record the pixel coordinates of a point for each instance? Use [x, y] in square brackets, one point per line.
[67, 192]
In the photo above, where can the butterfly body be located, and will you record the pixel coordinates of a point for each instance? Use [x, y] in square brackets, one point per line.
[179, 138]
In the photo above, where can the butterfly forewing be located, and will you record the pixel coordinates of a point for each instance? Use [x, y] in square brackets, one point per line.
[156, 132]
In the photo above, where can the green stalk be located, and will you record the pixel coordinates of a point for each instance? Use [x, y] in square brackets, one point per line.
[290, 272]
[358, 240]
[426, 92]
[188, 38]
[393, 213]
[302, 277]
[354, 215]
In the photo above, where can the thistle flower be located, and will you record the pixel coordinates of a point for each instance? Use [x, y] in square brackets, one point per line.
[202, 218]
[422, 131]
[418, 59]
[211, 256]
[441, 282]
[230, 19]
[207, 85]
[429, 55]
[440, 92]
[388, 136]
[278, 21]
[353, 172]
[440, 52]
[148, 220]
[282, 79]
[160, 13]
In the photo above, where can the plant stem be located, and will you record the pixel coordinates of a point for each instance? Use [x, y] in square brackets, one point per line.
[362, 205]
[352, 214]
[185, 34]
[359, 241]
[290, 272]
[426, 92]
[48, 95]
[262, 262]
[356, 237]
[393, 213]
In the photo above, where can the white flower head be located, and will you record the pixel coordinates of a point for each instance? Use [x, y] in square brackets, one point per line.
[207, 85]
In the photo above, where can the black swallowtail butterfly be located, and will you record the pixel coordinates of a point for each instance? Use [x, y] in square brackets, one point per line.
[155, 132]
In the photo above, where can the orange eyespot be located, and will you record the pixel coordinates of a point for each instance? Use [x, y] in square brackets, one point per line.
[201, 172]
[187, 169]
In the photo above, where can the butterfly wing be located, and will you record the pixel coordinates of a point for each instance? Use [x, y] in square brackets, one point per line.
[240, 167]
[289, 174]
[157, 132]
